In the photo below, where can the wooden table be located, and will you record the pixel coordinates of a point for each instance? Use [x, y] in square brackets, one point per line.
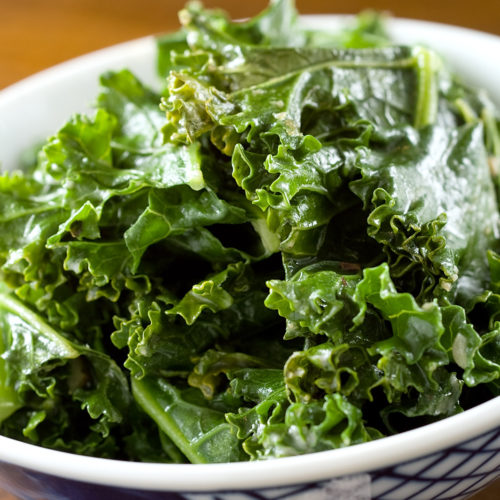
[35, 34]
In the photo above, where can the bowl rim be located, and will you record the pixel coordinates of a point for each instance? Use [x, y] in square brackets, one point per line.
[287, 471]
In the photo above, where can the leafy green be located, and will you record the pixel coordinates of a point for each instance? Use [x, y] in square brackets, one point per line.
[200, 432]
[292, 247]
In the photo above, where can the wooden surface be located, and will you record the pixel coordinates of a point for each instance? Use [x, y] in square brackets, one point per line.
[36, 34]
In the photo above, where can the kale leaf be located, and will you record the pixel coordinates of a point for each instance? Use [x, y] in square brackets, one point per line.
[291, 247]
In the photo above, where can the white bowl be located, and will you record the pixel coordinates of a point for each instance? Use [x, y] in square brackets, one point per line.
[452, 458]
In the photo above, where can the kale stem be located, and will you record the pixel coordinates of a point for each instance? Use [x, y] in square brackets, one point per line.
[427, 87]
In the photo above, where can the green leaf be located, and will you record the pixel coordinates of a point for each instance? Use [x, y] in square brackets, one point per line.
[172, 212]
[415, 329]
[465, 347]
[210, 294]
[197, 430]
[444, 230]
[33, 353]
[274, 26]
[316, 298]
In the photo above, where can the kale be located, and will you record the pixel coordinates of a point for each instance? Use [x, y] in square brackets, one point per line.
[292, 247]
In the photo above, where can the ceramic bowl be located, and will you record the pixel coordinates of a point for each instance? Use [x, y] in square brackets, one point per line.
[452, 458]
